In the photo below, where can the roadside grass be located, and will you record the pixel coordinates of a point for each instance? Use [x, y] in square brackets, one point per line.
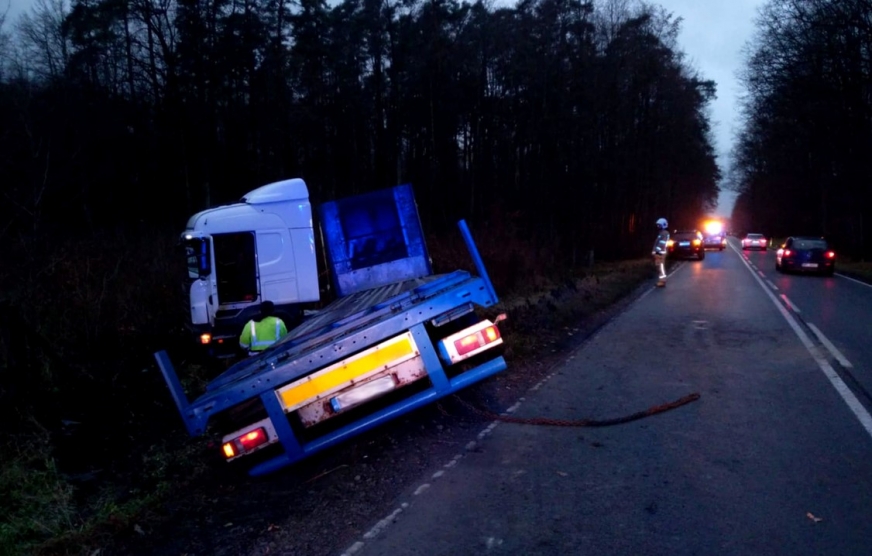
[90, 442]
[861, 270]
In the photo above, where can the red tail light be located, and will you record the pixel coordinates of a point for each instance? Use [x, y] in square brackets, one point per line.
[470, 341]
[830, 255]
[245, 443]
[477, 339]
[787, 253]
[253, 439]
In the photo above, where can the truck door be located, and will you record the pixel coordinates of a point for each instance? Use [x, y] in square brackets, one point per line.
[201, 278]
[235, 268]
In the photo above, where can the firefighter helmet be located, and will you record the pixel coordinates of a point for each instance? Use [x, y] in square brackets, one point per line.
[662, 223]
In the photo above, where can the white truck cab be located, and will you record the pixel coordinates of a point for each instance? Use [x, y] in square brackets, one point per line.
[259, 249]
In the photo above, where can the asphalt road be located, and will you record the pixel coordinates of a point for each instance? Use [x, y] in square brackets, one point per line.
[774, 458]
[837, 308]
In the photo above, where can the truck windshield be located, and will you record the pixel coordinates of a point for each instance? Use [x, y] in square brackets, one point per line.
[197, 256]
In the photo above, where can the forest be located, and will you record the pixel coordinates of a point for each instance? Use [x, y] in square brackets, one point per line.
[558, 129]
[801, 163]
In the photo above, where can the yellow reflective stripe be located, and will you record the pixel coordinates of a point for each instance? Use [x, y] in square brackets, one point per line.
[295, 394]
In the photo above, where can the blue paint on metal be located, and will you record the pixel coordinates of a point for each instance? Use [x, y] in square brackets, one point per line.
[404, 406]
[476, 259]
[373, 239]
[175, 386]
[271, 371]
[283, 428]
[431, 360]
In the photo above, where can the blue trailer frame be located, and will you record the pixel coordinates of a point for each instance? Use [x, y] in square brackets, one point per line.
[360, 320]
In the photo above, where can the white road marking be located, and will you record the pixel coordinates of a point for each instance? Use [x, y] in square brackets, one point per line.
[760, 272]
[793, 307]
[379, 527]
[849, 398]
[840, 275]
[829, 345]
[353, 549]
[771, 285]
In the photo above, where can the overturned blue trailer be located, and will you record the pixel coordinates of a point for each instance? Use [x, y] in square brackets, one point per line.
[395, 338]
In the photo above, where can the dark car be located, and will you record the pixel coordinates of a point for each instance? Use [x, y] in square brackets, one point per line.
[686, 244]
[715, 241]
[806, 254]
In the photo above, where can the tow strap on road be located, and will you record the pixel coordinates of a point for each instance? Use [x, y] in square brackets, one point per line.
[584, 422]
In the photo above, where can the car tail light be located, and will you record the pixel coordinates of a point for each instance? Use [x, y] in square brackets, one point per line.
[696, 242]
[205, 338]
[670, 243]
[470, 341]
[787, 253]
[830, 255]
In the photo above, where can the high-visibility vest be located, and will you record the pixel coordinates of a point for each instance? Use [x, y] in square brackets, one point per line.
[257, 336]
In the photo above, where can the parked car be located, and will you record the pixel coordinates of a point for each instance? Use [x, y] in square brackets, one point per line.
[755, 241]
[685, 244]
[715, 241]
[806, 254]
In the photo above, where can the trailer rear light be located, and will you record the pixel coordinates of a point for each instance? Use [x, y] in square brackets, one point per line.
[247, 440]
[476, 340]
[205, 338]
[470, 341]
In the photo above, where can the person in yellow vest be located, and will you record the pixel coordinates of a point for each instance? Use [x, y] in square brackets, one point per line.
[262, 332]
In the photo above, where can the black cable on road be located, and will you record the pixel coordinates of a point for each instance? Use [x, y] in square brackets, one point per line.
[584, 422]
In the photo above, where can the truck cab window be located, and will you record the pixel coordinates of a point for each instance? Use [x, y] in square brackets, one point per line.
[236, 267]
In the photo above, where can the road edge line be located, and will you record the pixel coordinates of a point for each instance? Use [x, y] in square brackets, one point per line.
[847, 395]
[843, 361]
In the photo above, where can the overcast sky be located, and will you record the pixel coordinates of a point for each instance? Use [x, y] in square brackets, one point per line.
[713, 33]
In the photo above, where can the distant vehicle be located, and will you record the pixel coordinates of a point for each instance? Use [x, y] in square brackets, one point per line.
[806, 254]
[715, 241]
[714, 237]
[755, 241]
[685, 244]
